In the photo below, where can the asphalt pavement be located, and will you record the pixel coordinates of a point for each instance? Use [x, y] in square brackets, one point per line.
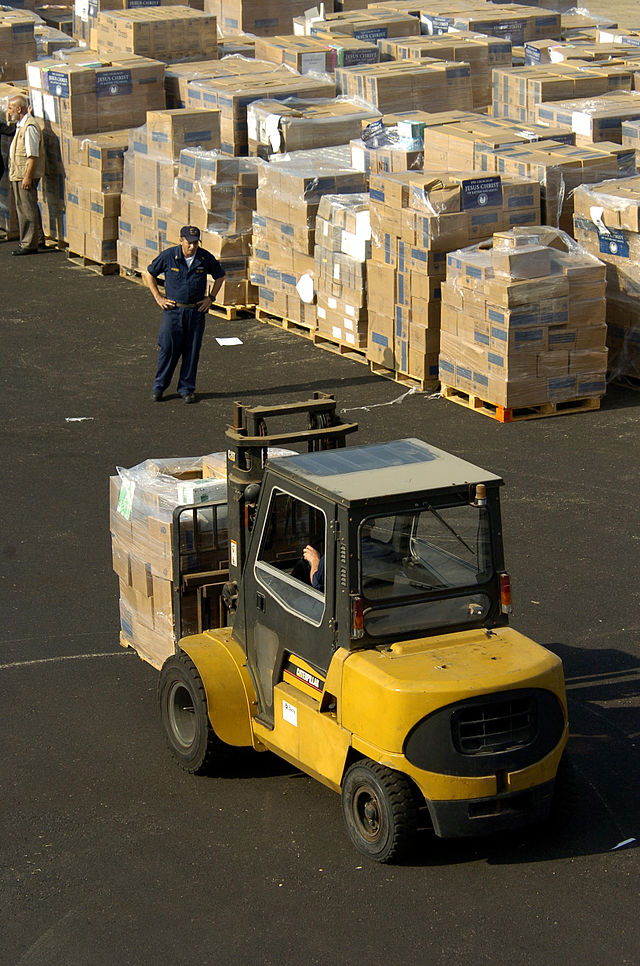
[111, 855]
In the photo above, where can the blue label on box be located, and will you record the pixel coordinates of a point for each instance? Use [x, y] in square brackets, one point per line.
[112, 83]
[439, 25]
[378, 339]
[481, 192]
[371, 34]
[446, 367]
[57, 83]
[613, 243]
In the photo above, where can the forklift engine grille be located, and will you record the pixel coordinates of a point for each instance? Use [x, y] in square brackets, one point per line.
[483, 729]
[491, 732]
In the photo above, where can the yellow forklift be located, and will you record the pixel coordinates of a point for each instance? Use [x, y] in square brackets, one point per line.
[380, 662]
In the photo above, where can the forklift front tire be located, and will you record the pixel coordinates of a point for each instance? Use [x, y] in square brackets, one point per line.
[183, 711]
[379, 810]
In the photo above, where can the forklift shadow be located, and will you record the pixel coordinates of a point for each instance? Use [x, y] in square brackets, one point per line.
[238, 763]
[604, 814]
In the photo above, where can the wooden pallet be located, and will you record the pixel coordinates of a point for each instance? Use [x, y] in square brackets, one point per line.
[132, 275]
[280, 322]
[99, 268]
[511, 415]
[232, 312]
[351, 352]
[411, 382]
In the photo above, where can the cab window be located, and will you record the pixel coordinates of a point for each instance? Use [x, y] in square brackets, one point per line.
[291, 525]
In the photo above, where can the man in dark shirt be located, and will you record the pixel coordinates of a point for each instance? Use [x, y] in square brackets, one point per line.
[185, 301]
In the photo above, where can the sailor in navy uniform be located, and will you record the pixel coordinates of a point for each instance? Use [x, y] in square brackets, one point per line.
[185, 301]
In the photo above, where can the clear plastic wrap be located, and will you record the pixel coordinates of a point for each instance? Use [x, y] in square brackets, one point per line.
[607, 223]
[143, 501]
[297, 123]
[343, 245]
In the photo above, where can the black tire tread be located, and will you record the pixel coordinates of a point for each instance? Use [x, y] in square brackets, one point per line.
[402, 798]
[204, 764]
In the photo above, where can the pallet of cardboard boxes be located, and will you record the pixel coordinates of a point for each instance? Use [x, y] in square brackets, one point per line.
[146, 504]
[284, 226]
[342, 248]
[297, 124]
[416, 219]
[523, 325]
[607, 223]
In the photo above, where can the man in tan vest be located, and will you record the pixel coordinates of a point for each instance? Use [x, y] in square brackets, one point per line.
[26, 167]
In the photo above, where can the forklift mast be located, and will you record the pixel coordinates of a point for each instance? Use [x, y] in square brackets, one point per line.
[248, 442]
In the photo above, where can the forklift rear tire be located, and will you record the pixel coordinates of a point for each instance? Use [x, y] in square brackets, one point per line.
[379, 810]
[183, 711]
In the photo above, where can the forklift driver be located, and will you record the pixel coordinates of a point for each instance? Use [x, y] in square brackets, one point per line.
[316, 564]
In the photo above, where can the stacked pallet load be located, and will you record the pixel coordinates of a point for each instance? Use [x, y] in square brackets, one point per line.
[151, 166]
[630, 131]
[483, 54]
[528, 94]
[284, 226]
[396, 141]
[263, 18]
[94, 166]
[49, 40]
[461, 145]
[233, 93]
[179, 77]
[342, 247]
[17, 44]
[523, 325]
[409, 85]
[560, 169]
[369, 25]
[416, 219]
[86, 15]
[170, 34]
[317, 55]
[78, 93]
[217, 193]
[594, 120]
[297, 124]
[607, 223]
[143, 505]
[515, 22]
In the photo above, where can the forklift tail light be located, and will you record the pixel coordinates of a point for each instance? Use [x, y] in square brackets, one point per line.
[505, 593]
[357, 618]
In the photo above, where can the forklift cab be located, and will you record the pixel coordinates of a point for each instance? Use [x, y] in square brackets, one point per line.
[410, 546]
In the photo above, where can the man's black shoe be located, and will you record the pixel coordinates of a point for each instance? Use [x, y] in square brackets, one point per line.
[25, 251]
[156, 396]
[190, 398]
